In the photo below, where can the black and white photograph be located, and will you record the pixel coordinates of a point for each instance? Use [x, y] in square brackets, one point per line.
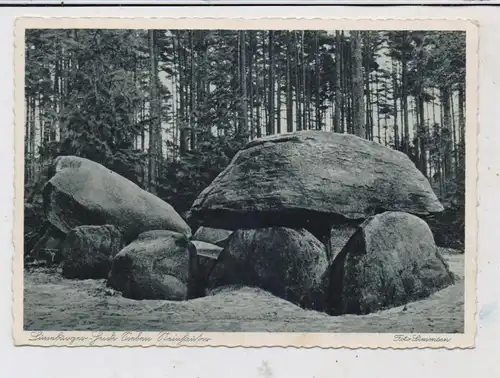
[225, 180]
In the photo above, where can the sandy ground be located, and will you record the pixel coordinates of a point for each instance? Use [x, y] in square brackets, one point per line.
[52, 303]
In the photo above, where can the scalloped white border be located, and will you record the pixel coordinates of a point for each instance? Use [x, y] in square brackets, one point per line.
[233, 339]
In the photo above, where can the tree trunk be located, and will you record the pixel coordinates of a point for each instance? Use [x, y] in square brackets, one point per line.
[173, 81]
[183, 131]
[289, 95]
[143, 129]
[271, 127]
[441, 154]
[386, 126]
[309, 99]
[433, 107]
[343, 85]
[304, 84]
[395, 103]
[368, 114]
[55, 103]
[332, 109]
[44, 125]
[97, 81]
[154, 114]
[28, 164]
[358, 106]
[298, 113]
[377, 94]
[277, 75]
[244, 99]
[265, 93]
[200, 103]
[318, 79]
[27, 126]
[257, 95]
[447, 143]
[367, 89]
[348, 88]
[33, 133]
[404, 103]
[338, 87]
[461, 123]
[422, 136]
[192, 128]
[186, 84]
[251, 53]
[433, 131]
[62, 93]
[415, 116]
[454, 136]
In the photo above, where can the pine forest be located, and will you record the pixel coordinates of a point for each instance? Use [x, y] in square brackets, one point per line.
[169, 109]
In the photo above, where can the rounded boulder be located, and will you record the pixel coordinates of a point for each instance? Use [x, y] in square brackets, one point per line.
[391, 260]
[283, 261]
[82, 192]
[88, 251]
[154, 266]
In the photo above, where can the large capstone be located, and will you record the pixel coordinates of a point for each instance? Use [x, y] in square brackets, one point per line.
[312, 179]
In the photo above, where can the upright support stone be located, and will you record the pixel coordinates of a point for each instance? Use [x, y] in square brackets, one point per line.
[283, 261]
[390, 260]
[194, 289]
[327, 241]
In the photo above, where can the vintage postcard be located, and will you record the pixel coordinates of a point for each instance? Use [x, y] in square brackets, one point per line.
[245, 182]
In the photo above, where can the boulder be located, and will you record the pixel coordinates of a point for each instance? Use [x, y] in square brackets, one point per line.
[63, 162]
[35, 222]
[283, 261]
[154, 266]
[391, 260]
[88, 251]
[340, 235]
[312, 179]
[32, 216]
[201, 266]
[208, 250]
[82, 192]
[48, 247]
[448, 227]
[215, 236]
